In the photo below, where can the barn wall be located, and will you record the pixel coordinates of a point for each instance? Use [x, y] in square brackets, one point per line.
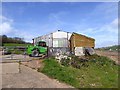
[78, 40]
[47, 38]
[60, 39]
[60, 42]
[83, 41]
[61, 34]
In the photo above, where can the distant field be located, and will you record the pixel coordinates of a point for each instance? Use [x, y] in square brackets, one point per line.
[111, 54]
[15, 44]
[15, 48]
[110, 48]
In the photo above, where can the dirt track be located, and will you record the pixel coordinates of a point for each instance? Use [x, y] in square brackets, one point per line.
[110, 54]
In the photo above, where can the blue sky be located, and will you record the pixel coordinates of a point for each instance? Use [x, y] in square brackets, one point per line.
[31, 19]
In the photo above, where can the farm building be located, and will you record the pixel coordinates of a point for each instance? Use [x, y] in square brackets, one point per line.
[78, 42]
[57, 41]
[65, 42]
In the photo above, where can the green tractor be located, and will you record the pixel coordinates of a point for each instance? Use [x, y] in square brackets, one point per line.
[39, 49]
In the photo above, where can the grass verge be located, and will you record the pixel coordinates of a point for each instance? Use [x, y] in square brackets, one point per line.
[14, 44]
[53, 69]
[96, 75]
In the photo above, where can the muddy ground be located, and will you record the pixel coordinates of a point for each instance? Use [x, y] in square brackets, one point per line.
[114, 55]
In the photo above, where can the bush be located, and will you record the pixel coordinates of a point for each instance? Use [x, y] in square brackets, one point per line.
[79, 62]
[65, 62]
[101, 60]
[75, 62]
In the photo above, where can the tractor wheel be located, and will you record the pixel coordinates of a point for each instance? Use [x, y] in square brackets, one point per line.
[35, 53]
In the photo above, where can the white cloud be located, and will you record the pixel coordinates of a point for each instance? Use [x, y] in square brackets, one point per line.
[6, 28]
[115, 22]
[26, 35]
[5, 19]
[110, 27]
[5, 25]
[56, 21]
[105, 35]
[106, 44]
[106, 9]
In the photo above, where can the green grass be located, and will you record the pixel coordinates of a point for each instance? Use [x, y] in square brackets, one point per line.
[12, 47]
[55, 70]
[96, 75]
[15, 44]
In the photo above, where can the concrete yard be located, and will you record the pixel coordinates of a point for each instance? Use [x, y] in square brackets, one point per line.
[9, 68]
[21, 76]
[29, 78]
[15, 58]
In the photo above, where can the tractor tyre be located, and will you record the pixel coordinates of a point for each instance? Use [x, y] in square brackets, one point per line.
[35, 53]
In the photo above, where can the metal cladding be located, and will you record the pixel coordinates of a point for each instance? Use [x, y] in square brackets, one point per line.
[64, 42]
[55, 39]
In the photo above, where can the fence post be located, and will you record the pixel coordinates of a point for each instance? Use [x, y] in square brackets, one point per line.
[19, 66]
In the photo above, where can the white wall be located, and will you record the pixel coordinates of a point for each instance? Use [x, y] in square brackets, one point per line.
[61, 34]
[60, 39]
[56, 39]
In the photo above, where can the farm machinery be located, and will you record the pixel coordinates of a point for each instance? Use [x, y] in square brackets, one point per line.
[39, 49]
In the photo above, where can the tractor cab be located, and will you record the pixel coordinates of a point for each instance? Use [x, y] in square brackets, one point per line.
[41, 43]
